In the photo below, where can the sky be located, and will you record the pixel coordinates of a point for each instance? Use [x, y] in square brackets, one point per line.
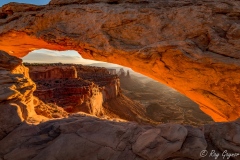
[37, 2]
[70, 56]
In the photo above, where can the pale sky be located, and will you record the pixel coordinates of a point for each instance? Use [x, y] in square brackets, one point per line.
[49, 56]
[70, 56]
[37, 2]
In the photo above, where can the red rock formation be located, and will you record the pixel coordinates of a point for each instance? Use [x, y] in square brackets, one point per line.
[85, 90]
[112, 71]
[93, 91]
[192, 46]
[52, 72]
[16, 94]
[17, 102]
[50, 110]
[110, 84]
[102, 139]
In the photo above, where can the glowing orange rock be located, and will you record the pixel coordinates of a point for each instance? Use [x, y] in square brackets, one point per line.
[190, 46]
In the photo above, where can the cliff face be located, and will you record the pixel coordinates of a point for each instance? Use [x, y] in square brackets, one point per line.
[192, 46]
[17, 102]
[16, 94]
[85, 90]
[47, 72]
[110, 84]
[93, 91]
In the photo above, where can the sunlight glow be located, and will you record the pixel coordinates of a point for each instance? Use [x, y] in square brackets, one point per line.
[69, 56]
[50, 56]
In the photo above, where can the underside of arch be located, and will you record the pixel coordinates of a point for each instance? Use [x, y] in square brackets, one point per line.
[192, 47]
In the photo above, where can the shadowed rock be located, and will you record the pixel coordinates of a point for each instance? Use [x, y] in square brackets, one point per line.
[86, 137]
[8, 62]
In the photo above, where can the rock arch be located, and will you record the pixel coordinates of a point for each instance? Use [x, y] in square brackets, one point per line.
[192, 46]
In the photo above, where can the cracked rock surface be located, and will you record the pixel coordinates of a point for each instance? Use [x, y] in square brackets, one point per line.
[86, 137]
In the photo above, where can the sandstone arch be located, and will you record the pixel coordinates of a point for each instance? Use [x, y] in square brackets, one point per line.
[188, 45]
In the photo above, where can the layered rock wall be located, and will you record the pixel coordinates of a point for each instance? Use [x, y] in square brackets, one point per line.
[16, 93]
[17, 102]
[52, 72]
[86, 88]
[95, 91]
[109, 83]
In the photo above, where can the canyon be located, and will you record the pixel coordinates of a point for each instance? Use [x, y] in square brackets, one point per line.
[162, 104]
[191, 46]
[79, 88]
[62, 84]
[24, 135]
[111, 94]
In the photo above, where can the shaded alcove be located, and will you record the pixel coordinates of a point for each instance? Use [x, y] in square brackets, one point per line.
[162, 103]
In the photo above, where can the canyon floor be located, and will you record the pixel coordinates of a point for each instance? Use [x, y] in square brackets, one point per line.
[163, 104]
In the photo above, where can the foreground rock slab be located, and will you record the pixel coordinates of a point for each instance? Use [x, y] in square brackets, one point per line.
[86, 137]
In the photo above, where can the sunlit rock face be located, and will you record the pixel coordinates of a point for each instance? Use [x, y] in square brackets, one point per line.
[16, 93]
[74, 87]
[192, 46]
[109, 84]
[93, 91]
[52, 72]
